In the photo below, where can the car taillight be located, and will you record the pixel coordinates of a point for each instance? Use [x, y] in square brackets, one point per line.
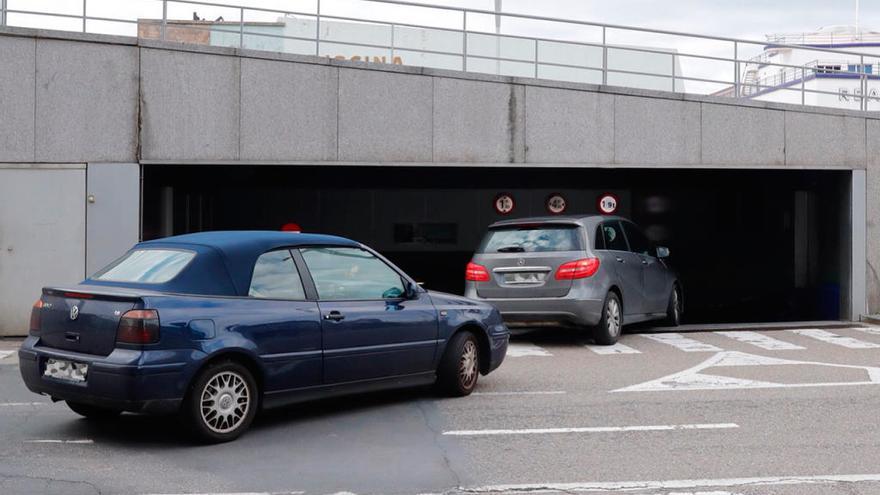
[138, 326]
[36, 317]
[476, 273]
[571, 270]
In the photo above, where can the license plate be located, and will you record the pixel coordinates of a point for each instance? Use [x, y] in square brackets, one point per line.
[524, 278]
[66, 370]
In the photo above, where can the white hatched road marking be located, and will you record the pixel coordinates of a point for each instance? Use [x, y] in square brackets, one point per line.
[5, 354]
[523, 349]
[868, 330]
[761, 340]
[15, 404]
[681, 342]
[592, 429]
[617, 348]
[630, 486]
[84, 441]
[524, 392]
[833, 338]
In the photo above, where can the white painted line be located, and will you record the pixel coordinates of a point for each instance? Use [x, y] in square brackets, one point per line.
[524, 392]
[18, 404]
[617, 348]
[523, 349]
[592, 429]
[761, 340]
[5, 354]
[681, 342]
[629, 486]
[697, 378]
[833, 338]
[83, 441]
[868, 330]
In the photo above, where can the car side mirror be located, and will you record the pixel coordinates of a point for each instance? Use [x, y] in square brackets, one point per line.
[411, 290]
[662, 252]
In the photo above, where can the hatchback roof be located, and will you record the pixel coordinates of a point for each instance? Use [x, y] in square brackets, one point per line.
[258, 240]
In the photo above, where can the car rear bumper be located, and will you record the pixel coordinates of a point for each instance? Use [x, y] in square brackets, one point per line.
[119, 380]
[549, 311]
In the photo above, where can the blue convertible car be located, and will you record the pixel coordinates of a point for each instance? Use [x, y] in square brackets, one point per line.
[217, 325]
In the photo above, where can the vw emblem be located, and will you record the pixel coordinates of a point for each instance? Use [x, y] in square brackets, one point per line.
[521, 262]
[74, 312]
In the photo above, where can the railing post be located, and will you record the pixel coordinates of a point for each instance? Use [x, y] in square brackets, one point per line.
[318, 31]
[604, 58]
[536, 59]
[164, 18]
[2, 12]
[803, 85]
[736, 76]
[241, 27]
[84, 16]
[392, 43]
[672, 56]
[863, 104]
[464, 40]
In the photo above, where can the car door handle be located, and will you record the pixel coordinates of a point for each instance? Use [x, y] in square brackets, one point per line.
[620, 260]
[334, 316]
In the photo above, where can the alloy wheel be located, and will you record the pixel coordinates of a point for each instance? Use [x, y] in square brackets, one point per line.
[225, 402]
[467, 369]
[612, 317]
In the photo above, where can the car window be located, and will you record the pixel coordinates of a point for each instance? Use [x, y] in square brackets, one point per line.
[146, 266]
[351, 273]
[613, 236]
[276, 277]
[599, 239]
[638, 243]
[531, 239]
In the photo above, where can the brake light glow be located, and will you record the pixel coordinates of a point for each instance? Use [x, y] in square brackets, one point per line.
[476, 273]
[78, 295]
[36, 317]
[582, 268]
[138, 326]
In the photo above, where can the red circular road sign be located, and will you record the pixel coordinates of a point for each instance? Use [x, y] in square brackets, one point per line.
[608, 203]
[504, 204]
[556, 204]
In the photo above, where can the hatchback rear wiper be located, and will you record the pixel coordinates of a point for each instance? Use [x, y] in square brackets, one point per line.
[511, 249]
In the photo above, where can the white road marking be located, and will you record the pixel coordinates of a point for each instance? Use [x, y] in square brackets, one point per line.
[592, 429]
[681, 342]
[833, 338]
[16, 404]
[629, 486]
[695, 379]
[761, 340]
[524, 392]
[617, 348]
[83, 441]
[523, 349]
[5, 354]
[868, 330]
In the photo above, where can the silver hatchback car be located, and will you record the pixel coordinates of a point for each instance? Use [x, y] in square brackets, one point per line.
[599, 272]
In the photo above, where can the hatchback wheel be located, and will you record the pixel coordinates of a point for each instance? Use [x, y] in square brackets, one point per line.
[674, 309]
[608, 330]
[222, 402]
[460, 366]
[93, 412]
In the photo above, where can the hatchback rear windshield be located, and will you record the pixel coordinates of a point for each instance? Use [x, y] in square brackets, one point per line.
[146, 266]
[532, 239]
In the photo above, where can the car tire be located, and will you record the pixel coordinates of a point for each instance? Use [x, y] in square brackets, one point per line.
[459, 367]
[221, 403]
[610, 325]
[93, 412]
[674, 308]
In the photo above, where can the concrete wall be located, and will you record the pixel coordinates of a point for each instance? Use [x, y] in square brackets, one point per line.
[94, 98]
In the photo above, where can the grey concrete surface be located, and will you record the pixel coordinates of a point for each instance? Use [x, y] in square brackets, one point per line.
[384, 116]
[746, 136]
[399, 442]
[656, 131]
[568, 126]
[478, 121]
[17, 73]
[86, 102]
[824, 140]
[873, 216]
[288, 111]
[189, 105]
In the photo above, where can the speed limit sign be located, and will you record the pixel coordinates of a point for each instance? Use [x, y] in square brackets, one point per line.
[608, 203]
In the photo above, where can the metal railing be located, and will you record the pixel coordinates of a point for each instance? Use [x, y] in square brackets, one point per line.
[578, 51]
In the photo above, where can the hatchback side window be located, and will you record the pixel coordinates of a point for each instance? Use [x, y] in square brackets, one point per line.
[276, 277]
[638, 243]
[342, 273]
[613, 236]
[599, 239]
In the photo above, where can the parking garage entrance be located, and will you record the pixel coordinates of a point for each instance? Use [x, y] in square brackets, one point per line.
[750, 246]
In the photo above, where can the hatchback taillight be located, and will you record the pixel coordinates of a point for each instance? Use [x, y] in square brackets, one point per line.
[571, 270]
[36, 317]
[138, 326]
[476, 273]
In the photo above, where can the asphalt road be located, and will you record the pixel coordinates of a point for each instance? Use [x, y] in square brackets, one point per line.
[770, 412]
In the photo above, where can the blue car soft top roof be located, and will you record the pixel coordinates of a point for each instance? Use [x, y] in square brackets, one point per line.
[225, 259]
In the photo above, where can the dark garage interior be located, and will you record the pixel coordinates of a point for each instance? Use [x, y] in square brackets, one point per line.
[750, 246]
